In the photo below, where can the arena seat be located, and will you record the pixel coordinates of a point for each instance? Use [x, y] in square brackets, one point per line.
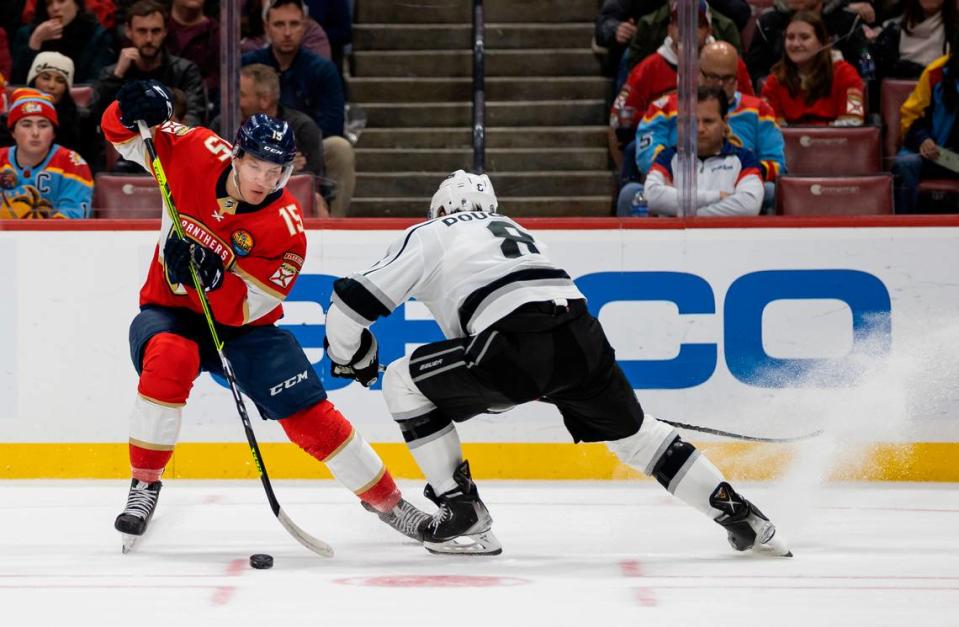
[303, 188]
[126, 196]
[835, 196]
[892, 94]
[829, 151]
[133, 196]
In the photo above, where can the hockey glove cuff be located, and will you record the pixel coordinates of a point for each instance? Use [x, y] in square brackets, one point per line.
[179, 254]
[364, 367]
[149, 101]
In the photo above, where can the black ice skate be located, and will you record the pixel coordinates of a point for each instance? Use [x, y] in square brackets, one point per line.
[747, 527]
[141, 503]
[404, 517]
[463, 524]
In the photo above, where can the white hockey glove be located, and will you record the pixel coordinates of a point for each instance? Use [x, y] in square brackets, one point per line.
[364, 367]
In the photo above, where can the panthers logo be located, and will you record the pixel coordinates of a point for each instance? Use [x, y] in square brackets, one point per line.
[29, 205]
[8, 179]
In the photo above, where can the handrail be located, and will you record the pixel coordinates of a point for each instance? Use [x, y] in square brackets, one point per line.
[479, 88]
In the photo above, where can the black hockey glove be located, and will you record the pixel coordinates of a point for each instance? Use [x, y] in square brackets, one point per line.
[178, 254]
[365, 364]
[149, 101]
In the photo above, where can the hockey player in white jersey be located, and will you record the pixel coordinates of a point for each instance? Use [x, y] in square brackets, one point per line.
[517, 330]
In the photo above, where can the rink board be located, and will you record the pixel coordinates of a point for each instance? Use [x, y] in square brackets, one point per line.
[846, 326]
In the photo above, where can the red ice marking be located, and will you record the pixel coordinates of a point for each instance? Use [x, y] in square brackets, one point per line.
[631, 568]
[644, 597]
[433, 581]
[223, 594]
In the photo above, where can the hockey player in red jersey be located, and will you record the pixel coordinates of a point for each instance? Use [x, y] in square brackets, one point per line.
[245, 237]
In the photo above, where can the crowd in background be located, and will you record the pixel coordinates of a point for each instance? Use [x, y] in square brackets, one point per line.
[779, 63]
[62, 63]
[810, 62]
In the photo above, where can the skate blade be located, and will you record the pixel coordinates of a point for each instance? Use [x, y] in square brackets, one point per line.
[775, 546]
[484, 543]
[129, 542]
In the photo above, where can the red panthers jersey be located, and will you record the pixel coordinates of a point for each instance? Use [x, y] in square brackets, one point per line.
[262, 246]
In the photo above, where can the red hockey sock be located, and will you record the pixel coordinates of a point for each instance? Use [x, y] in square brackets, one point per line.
[148, 465]
[324, 433]
[170, 364]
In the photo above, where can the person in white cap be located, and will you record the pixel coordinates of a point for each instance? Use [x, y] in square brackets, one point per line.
[52, 73]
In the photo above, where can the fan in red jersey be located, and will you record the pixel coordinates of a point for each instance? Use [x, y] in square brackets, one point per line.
[246, 240]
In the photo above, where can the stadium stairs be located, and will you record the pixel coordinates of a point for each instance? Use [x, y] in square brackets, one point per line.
[546, 114]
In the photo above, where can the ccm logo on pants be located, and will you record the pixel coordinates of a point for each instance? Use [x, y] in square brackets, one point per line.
[286, 385]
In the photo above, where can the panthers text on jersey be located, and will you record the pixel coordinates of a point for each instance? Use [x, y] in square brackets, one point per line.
[470, 269]
[262, 246]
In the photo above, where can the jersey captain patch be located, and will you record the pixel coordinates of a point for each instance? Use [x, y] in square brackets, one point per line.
[284, 275]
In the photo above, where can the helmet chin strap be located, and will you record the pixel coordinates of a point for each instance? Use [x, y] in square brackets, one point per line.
[236, 183]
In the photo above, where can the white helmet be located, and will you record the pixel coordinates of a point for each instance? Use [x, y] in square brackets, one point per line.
[462, 191]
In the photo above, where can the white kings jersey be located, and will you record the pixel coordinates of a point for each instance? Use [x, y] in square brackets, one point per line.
[470, 269]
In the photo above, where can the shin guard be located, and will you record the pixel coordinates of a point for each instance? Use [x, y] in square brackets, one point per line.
[326, 435]
[170, 364]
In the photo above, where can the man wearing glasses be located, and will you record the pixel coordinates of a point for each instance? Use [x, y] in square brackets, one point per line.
[752, 125]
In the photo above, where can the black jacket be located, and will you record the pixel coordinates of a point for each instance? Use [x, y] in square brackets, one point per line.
[885, 51]
[174, 72]
[84, 40]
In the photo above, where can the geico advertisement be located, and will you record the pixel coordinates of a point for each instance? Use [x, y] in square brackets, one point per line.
[759, 330]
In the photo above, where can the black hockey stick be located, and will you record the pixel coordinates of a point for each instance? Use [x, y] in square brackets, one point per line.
[317, 546]
[738, 436]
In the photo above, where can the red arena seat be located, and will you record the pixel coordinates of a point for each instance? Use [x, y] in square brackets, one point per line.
[835, 196]
[126, 196]
[828, 151]
[892, 94]
[303, 188]
[133, 196]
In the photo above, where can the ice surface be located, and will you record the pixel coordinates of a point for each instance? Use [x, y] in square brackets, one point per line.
[575, 553]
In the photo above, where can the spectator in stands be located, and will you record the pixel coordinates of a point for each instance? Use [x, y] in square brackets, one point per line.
[66, 27]
[308, 83]
[336, 19]
[844, 34]
[103, 10]
[751, 122]
[910, 42]
[728, 180]
[654, 27]
[52, 73]
[196, 37]
[929, 123]
[39, 179]
[148, 58]
[655, 77]
[808, 85]
[254, 37]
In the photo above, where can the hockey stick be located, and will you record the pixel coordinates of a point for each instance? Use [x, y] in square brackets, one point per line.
[317, 546]
[725, 434]
[738, 436]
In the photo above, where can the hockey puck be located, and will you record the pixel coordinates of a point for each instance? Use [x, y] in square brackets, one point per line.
[261, 561]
